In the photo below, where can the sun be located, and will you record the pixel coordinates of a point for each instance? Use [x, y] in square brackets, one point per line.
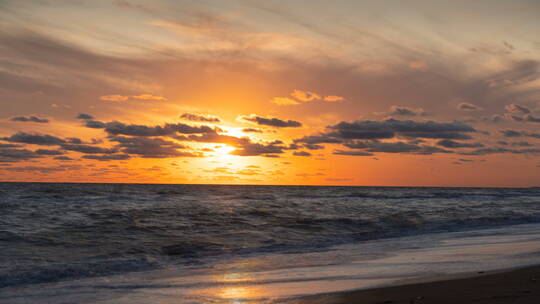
[223, 151]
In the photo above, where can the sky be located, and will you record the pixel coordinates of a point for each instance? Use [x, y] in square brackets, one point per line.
[374, 93]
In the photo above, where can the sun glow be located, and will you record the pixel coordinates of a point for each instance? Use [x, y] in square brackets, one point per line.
[223, 151]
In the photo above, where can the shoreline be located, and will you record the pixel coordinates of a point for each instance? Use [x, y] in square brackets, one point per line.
[516, 286]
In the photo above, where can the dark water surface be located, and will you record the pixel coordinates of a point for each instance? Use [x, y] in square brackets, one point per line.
[57, 232]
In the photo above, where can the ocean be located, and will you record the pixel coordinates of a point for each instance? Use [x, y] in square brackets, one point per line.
[146, 243]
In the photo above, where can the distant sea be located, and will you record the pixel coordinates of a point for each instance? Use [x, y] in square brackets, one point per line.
[110, 234]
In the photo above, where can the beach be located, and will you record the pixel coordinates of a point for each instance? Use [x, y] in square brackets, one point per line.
[519, 286]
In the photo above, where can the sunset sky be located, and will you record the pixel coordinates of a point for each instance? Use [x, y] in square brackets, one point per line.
[390, 93]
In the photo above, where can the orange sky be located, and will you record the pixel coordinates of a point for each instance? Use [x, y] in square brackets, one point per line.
[246, 92]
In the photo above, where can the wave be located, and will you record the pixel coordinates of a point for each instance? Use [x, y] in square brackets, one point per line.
[55, 229]
[64, 272]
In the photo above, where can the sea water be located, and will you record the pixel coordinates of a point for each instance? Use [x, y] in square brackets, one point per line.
[141, 243]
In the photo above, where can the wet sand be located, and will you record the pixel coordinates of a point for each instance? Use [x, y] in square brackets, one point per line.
[521, 286]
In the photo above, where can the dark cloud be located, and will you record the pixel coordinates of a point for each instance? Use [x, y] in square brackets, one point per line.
[302, 153]
[367, 135]
[531, 118]
[352, 153]
[65, 158]
[119, 128]
[393, 147]
[107, 157]
[45, 170]
[494, 118]
[513, 117]
[367, 129]
[448, 143]
[88, 149]
[262, 149]
[521, 144]
[318, 139]
[465, 106]
[198, 117]
[386, 147]
[406, 111]
[95, 124]
[84, 116]
[49, 152]
[9, 146]
[151, 147]
[14, 155]
[34, 139]
[313, 146]
[517, 109]
[252, 130]
[271, 121]
[516, 133]
[29, 119]
[486, 151]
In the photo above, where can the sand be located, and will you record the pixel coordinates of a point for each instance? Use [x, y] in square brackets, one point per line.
[521, 286]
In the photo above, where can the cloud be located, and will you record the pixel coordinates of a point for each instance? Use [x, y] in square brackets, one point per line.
[49, 152]
[531, 118]
[302, 153]
[318, 139]
[300, 96]
[418, 65]
[114, 98]
[43, 170]
[333, 98]
[305, 96]
[313, 146]
[84, 116]
[271, 121]
[29, 119]
[517, 109]
[14, 155]
[284, 101]
[119, 128]
[352, 153]
[248, 172]
[63, 158]
[486, 151]
[151, 147]
[406, 111]
[465, 106]
[87, 149]
[252, 130]
[393, 147]
[494, 118]
[107, 157]
[259, 149]
[521, 144]
[367, 135]
[34, 139]
[448, 143]
[244, 146]
[508, 45]
[516, 133]
[368, 129]
[215, 138]
[9, 146]
[198, 117]
[146, 97]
